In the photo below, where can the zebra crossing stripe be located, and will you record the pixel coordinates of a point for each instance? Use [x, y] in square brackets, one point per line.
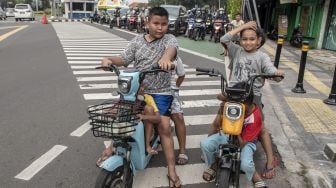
[106, 78]
[94, 51]
[114, 86]
[89, 72]
[98, 78]
[199, 119]
[75, 67]
[116, 46]
[201, 103]
[94, 55]
[86, 58]
[85, 62]
[186, 104]
[111, 39]
[189, 174]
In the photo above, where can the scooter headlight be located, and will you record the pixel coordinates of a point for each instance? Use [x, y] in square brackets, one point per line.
[124, 84]
[234, 111]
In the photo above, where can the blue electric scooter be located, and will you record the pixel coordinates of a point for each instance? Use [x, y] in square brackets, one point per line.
[117, 120]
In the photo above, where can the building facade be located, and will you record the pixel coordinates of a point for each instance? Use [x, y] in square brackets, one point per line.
[315, 18]
[78, 9]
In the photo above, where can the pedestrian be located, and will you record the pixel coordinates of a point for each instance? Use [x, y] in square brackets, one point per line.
[237, 22]
[177, 112]
[144, 51]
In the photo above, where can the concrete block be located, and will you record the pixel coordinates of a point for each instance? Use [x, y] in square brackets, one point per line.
[330, 151]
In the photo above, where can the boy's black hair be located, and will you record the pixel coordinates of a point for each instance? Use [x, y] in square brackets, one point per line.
[259, 33]
[157, 11]
[246, 86]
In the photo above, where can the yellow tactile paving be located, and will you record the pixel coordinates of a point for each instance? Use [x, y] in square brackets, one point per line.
[308, 76]
[314, 115]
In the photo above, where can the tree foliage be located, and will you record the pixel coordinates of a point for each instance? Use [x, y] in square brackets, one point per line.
[188, 3]
[233, 7]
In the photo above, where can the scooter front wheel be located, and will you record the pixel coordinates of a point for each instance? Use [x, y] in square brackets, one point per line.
[113, 179]
[223, 178]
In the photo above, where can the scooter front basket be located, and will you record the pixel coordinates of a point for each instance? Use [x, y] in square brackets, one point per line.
[114, 118]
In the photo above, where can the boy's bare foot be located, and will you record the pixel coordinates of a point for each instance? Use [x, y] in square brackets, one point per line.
[105, 154]
[151, 151]
[269, 170]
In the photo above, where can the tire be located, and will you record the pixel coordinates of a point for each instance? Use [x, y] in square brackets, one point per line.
[113, 179]
[224, 178]
[195, 34]
[111, 25]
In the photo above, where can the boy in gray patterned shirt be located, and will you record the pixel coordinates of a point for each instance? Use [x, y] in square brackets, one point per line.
[160, 48]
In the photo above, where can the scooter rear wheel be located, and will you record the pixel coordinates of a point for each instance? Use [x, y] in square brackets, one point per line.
[113, 179]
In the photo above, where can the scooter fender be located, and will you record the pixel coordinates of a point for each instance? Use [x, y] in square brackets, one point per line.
[111, 163]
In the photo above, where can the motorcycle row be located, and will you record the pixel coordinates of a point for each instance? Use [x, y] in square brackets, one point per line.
[201, 23]
[127, 18]
[198, 23]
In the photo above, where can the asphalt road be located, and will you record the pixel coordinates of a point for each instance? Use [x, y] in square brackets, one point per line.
[43, 103]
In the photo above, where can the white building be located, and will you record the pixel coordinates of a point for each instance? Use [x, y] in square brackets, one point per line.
[78, 9]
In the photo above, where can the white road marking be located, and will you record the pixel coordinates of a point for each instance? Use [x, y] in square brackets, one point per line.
[189, 174]
[98, 86]
[91, 72]
[86, 58]
[99, 78]
[93, 49]
[111, 39]
[85, 62]
[110, 51]
[95, 42]
[98, 55]
[83, 67]
[40, 163]
[65, 47]
[98, 96]
[106, 78]
[201, 103]
[199, 119]
[80, 131]
[113, 86]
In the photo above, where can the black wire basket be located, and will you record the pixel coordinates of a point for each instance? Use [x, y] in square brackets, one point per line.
[114, 118]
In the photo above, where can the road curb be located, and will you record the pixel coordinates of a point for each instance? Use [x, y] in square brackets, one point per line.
[69, 20]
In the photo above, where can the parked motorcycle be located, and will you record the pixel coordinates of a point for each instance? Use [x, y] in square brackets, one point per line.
[117, 120]
[297, 38]
[232, 121]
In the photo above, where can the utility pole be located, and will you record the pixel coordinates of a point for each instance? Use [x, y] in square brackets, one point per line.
[36, 4]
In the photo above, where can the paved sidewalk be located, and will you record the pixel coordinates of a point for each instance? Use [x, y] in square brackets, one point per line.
[306, 123]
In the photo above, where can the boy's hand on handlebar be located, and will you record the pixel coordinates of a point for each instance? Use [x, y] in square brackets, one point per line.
[165, 64]
[106, 62]
[279, 73]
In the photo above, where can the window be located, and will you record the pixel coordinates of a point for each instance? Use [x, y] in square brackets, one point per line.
[78, 6]
[89, 6]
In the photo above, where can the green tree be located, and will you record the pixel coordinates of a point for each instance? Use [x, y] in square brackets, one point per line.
[233, 6]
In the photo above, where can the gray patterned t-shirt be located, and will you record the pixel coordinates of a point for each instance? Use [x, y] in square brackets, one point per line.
[145, 54]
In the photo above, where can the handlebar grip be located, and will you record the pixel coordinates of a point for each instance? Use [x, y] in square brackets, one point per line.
[273, 76]
[201, 69]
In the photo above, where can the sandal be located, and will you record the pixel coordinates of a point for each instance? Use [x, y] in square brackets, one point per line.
[209, 174]
[260, 184]
[269, 173]
[174, 183]
[182, 159]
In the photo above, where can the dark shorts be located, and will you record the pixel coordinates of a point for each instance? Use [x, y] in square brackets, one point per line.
[163, 102]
